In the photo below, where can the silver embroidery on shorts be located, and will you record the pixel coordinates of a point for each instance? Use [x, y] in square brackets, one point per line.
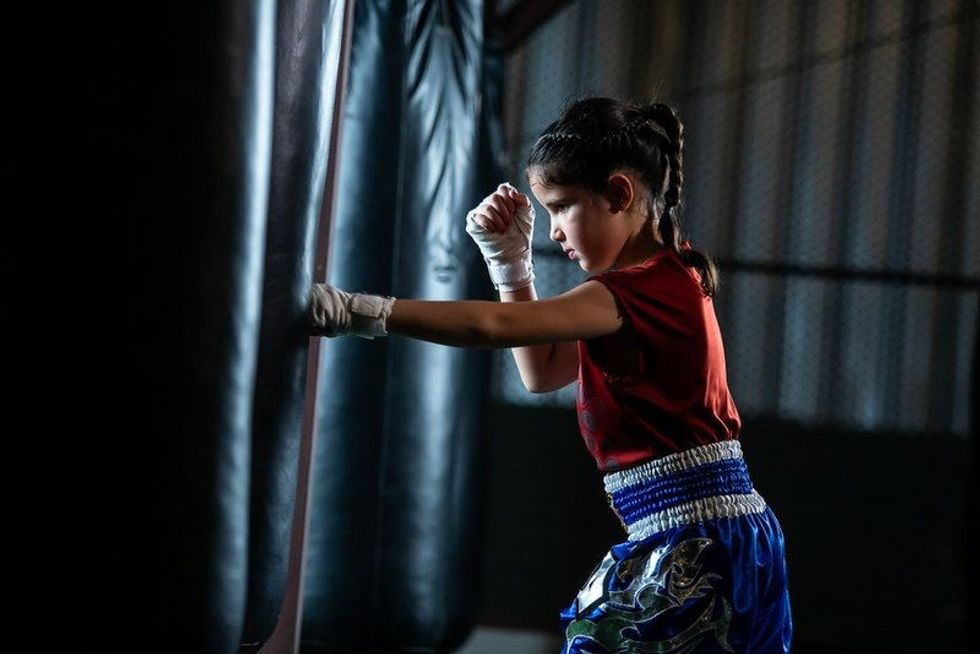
[648, 585]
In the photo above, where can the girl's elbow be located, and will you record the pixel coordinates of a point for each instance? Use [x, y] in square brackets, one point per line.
[542, 386]
[533, 386]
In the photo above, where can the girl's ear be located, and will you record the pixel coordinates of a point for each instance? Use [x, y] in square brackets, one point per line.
[619, 192]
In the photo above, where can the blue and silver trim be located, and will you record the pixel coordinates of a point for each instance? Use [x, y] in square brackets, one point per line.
[703, 483]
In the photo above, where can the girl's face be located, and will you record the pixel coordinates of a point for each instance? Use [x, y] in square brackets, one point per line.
[583, 224]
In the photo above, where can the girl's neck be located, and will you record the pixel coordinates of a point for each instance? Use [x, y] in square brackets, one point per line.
[639, 247]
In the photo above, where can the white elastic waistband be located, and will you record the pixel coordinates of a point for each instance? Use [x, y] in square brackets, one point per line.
[672, 463]
[672, 491]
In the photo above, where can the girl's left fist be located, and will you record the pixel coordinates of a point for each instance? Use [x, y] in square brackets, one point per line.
[333, 312]
[329, 311]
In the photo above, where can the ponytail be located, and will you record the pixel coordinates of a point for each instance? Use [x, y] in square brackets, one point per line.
[669, 225]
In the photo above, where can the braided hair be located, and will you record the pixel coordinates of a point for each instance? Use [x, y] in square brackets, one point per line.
[596, 136]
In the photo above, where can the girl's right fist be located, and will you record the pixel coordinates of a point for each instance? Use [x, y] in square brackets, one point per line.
[496, 212]
[501, 226]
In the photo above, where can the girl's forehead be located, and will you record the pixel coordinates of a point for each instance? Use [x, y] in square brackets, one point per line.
[540, 187]
[535, 175]
[551, 193]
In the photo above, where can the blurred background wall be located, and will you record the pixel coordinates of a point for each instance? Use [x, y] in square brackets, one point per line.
[832, 158]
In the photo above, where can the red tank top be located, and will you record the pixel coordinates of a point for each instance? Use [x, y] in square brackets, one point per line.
[659, 384]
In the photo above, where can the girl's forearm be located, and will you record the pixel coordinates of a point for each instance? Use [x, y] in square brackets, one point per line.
[458, 323]
[531, 360]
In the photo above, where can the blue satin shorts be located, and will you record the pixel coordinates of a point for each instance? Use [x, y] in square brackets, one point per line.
[703, 569]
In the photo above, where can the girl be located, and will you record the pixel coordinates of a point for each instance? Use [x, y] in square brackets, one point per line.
[703, 567]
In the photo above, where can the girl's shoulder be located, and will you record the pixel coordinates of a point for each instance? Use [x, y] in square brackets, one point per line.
[663, 268]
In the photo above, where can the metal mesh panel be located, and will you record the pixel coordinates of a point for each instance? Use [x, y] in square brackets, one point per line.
[830, 168]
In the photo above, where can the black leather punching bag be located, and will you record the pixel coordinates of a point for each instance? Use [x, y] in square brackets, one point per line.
[202, 93]
[307, 63]
[396, 513]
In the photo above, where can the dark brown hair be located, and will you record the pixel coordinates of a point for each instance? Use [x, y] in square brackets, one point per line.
[596, 136]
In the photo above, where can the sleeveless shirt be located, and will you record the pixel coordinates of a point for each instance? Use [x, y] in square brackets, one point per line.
[659, 384]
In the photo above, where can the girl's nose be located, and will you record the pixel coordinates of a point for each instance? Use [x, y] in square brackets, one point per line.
[555, 232]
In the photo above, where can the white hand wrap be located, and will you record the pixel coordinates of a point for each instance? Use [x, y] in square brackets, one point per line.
[507, 253]
[334, 312]
[513, 274]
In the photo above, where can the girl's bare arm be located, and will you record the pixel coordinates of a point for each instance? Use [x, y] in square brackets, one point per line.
[545, 367]
[586, 311]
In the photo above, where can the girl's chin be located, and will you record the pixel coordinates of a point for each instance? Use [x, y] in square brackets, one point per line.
[585, 264]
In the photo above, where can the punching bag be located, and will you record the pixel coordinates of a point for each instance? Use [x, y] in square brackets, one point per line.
[307, 63]
[397, 493]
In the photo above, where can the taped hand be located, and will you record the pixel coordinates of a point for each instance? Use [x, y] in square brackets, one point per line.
[502, 226]
[333, 312]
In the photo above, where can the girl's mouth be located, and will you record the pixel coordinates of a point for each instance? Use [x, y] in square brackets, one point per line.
[571, 254]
